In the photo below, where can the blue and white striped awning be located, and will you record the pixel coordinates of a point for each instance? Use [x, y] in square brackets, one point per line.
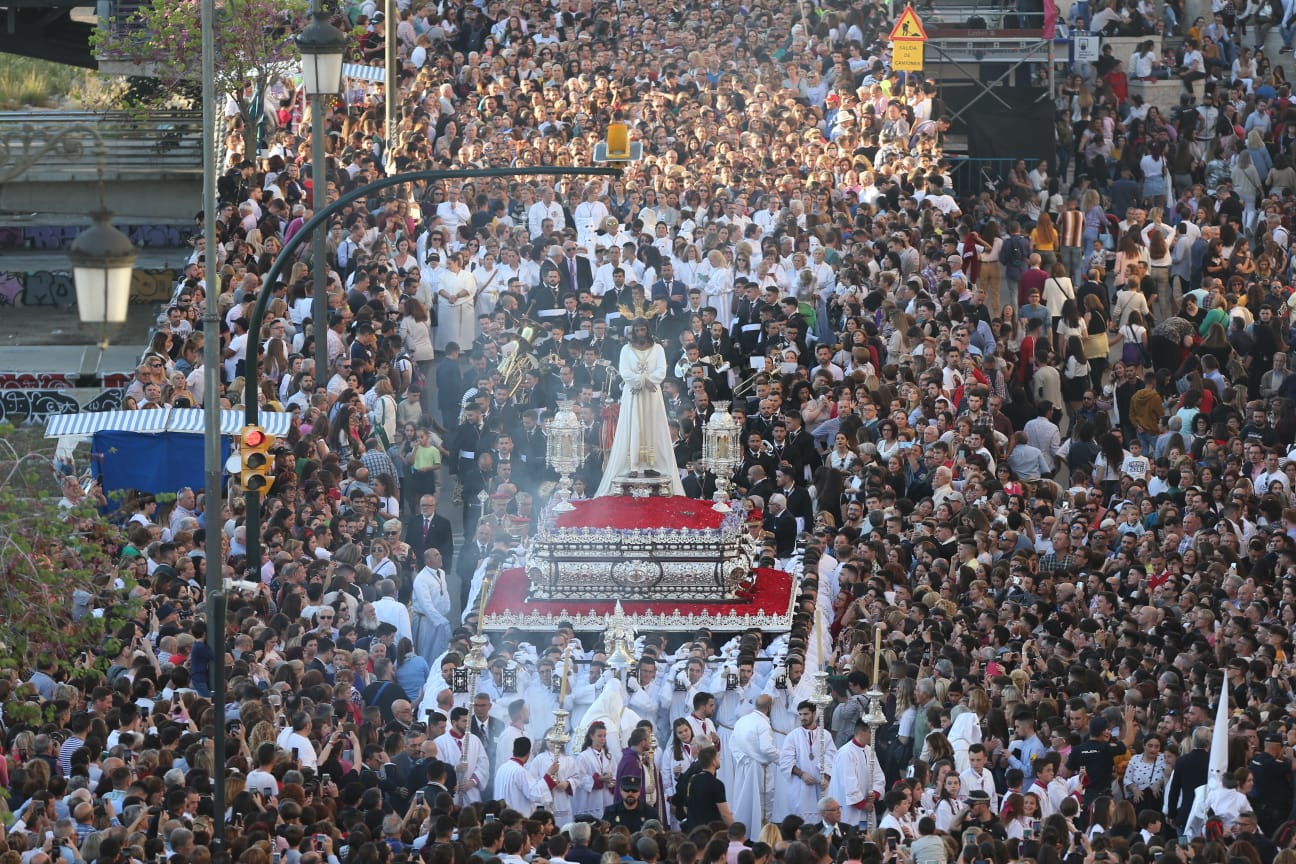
[186, 420]
[363, 72]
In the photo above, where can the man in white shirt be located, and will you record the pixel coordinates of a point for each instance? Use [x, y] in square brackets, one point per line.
[752, 799]
[453, 212]
[389, 610]
[519, 715]
[977, 777]
[589, 214]
[295, 739]
[545, 208]
[430, 600]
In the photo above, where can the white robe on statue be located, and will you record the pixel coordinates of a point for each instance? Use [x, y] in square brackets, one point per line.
[642, 426]
[755, 759]
[802, 748]
[430, 601]
[856, 776]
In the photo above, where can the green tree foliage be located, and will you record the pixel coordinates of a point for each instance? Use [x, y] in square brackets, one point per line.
[254, 43]
[49, 557]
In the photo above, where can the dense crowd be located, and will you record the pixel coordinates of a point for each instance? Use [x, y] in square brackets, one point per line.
[1036, 436]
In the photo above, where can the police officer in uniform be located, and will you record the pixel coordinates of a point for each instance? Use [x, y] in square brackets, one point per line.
[1271, 797]
[629, 810]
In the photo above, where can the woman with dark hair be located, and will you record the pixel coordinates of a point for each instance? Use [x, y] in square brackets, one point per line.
[1107, 467]
[827, 489]
[1075, 375]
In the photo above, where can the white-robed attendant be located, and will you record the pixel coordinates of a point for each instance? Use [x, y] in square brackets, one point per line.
[857, 779]
[465, 751]
[678, 755]
[755, 758]
[595, 778]
[733, 701]
[643, 440]
[519, 788]
[705, 729]
[718, 289]
[804, 767]
[456, 321]
[559, 775]
[430, 601]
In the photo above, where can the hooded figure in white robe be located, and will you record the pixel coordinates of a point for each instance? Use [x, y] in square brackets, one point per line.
[755, 759]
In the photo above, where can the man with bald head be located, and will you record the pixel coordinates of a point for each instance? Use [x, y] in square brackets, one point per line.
[755, 758]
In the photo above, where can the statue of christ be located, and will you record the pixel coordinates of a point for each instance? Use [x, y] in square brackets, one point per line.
[642, 445]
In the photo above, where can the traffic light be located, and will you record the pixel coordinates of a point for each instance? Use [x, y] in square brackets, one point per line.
[254, 454]
[618, 147]
[618, 141]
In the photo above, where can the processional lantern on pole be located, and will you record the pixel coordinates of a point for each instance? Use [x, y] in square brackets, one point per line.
[564, 450]
[619, 636]
[721, 452]
[821, 698]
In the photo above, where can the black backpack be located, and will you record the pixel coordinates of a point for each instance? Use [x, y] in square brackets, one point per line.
[679, 801]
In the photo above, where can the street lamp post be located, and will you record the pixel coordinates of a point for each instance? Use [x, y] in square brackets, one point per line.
[322, 47]
[215, 574]
[103, 259]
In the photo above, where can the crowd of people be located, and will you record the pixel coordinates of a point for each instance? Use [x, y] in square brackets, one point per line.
[1037, 437]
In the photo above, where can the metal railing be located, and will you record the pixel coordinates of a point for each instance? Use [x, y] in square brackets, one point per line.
[151, 146]
[973, 174]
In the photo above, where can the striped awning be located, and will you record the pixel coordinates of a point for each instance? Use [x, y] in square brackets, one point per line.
[186, 420]
[363, 72]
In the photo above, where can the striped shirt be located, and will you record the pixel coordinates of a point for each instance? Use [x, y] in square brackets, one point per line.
[1071, 228]
[70, 746]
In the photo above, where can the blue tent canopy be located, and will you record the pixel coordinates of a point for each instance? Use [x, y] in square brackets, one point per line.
[184, 420]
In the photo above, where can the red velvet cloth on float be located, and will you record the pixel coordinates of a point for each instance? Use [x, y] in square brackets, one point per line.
[674, 563]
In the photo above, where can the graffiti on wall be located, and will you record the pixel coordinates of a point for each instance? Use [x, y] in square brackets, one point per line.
[56, 288]
[47, 237]
[57, 380]
[37, 406]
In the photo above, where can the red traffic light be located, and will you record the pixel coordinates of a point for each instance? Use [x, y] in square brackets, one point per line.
[254, 438]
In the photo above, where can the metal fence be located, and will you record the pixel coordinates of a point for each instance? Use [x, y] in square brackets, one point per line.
[154, 145]
[974, 174]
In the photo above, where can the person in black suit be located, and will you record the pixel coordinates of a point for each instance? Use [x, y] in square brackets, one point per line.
[668, 286]
[1189, 773]
[701, 485]
[798, 505]
[471, 554]
[780, 524]
[799, 448]
[428, 530]
[545, 295]
[757, 453]
[755, 482]
[574, 271]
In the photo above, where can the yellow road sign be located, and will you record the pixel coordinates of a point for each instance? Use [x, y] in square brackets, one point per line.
[907, 56]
